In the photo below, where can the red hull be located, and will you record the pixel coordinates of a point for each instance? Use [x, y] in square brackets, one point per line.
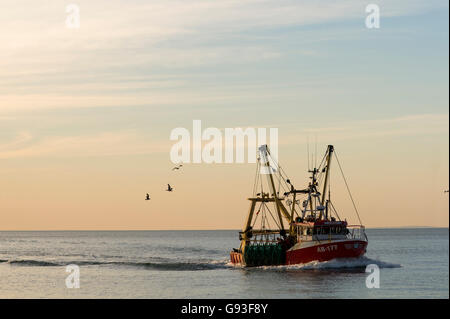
[326, 251]
[322, 252]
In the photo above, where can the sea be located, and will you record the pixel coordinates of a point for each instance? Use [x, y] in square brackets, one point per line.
[410, 263]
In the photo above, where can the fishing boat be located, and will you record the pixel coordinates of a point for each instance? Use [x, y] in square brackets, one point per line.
[287, 226]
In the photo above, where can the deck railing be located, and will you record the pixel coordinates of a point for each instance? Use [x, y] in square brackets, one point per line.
[357, 232]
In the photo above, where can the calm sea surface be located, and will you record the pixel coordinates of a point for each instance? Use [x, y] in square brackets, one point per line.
[194, 264]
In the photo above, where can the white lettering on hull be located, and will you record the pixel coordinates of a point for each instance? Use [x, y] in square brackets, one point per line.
[322, 249]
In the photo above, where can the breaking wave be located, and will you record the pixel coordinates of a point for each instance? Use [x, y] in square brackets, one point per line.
[337, 264]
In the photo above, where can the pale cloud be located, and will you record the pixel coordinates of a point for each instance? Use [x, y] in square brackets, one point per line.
[100, 144]
[409, 125]
[118, 38]
[12, 103]
[24, 145]
[21, 140]
[107, 25]
[89, 95]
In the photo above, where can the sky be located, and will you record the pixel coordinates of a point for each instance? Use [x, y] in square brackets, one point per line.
[86, 113]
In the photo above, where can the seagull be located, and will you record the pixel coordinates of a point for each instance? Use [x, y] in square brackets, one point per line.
[177, 167]
[147, 197]
[169, 188]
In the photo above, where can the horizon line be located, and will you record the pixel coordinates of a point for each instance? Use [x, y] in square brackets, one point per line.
[234, 229]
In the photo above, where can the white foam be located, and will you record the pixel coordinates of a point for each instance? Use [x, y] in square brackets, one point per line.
[341, 263]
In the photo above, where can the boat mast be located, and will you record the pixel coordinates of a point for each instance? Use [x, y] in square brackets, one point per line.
[327, 174]
[264, 151]
[312, 190]
[291, 221]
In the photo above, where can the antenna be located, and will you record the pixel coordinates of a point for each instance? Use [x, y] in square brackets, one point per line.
[315, 160]
[307, 149]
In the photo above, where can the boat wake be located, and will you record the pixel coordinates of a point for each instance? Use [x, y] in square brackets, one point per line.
[336, 264]
[173, 265]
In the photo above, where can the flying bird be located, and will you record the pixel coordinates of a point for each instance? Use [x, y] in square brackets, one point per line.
[147, 197]
[169, 188]
[177, 167]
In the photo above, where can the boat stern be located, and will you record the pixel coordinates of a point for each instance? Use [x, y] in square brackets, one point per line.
[237, 258]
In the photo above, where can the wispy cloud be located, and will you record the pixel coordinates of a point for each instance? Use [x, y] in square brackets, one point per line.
[20, 141]
[100, 144]
[123, 39]
[410, 125]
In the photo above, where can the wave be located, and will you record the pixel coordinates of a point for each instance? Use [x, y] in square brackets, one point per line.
[168, 266]
[179, 265]
[337, 264]
[32, 263]
[172, 265]
[191, 250]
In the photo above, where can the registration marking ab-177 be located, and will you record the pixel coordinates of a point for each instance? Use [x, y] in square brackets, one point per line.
[329, 248]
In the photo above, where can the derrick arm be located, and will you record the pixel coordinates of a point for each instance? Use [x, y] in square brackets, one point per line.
[278, 205]
[248, 223]
[327, 175]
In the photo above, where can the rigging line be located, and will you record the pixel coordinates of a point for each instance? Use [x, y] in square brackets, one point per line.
[348, 188]
[267, 220]
[283, 176]
[301, 199]
[256, 218]
[284, 186]
[321, 174]
[268, 167]
[322, 163]
[297, 202]
[261, 184]
[263, 215]
[260, 175]
[277, 176]
[319, 178]
[277, 162]
[295, 211]
[279, 226]
[329, 188]
[256, 179]
[335, 211]
[279, 179]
